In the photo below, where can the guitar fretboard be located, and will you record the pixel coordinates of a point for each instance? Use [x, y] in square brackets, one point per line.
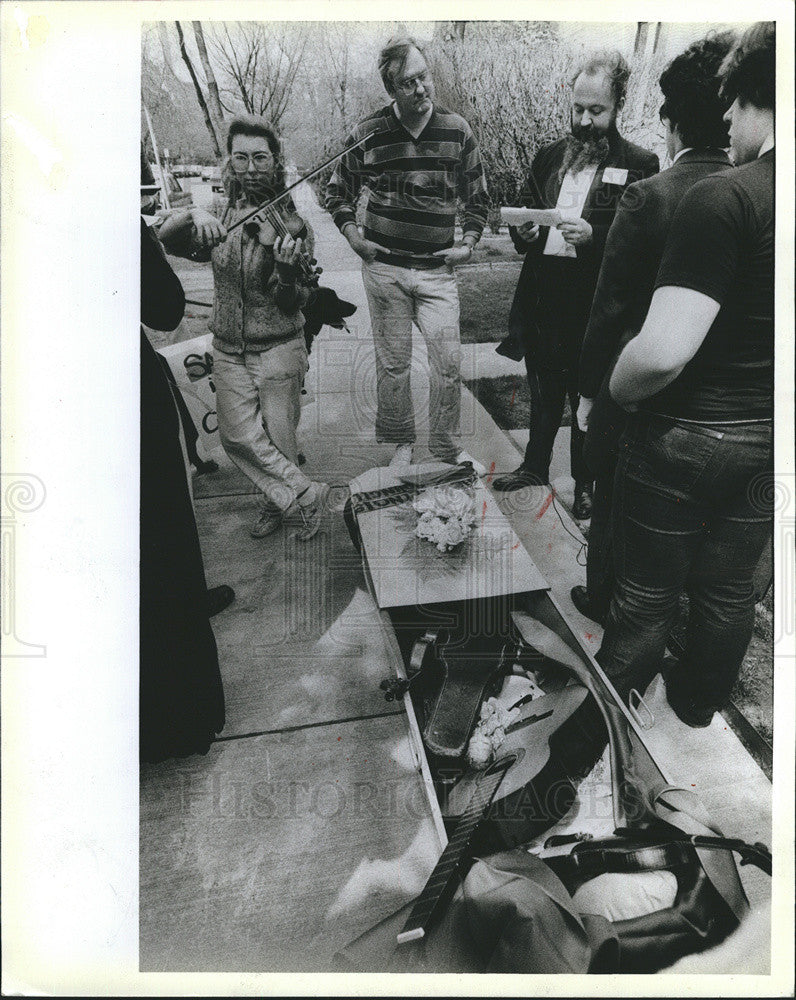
[391, 496]
[443, 879]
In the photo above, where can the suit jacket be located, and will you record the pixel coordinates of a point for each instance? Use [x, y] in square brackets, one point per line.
[548, 317]
[624, 289]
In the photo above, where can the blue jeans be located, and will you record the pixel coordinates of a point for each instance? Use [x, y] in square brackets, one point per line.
[692, 512]
[398, 297]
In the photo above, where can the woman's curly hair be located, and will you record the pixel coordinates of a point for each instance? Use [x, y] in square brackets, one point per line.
[691, 90]
[749, 71]
[251, 125]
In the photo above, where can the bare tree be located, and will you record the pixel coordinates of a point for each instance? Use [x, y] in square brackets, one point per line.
[260, 63]
[213, 98]
[199, 95]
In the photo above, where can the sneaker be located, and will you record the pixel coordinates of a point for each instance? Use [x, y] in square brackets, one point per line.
[404, 454]
[267, 523]
[478, 468]
[311, 510]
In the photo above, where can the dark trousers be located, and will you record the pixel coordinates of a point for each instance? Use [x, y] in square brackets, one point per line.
[600, 554]
[181, 695]
[548, 391]
[692, 512]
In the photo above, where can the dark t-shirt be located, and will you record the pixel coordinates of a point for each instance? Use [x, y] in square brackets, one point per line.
[722, 244]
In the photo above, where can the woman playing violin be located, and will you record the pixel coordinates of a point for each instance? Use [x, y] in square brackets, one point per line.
[260, 354]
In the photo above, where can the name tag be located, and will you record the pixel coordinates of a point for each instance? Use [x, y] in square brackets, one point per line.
[614, 175]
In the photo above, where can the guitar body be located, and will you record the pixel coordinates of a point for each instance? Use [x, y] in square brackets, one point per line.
[536, 791]
[454, 665]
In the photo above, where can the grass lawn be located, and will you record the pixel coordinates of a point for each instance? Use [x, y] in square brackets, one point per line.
[507, 399]
[486, 288]
[485, 294]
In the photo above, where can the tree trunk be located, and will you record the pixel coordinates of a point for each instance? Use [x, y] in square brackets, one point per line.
[213, 97]
[200, 96]
[641, 37]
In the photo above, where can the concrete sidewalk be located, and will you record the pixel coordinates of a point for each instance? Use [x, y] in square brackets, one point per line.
[307, 822]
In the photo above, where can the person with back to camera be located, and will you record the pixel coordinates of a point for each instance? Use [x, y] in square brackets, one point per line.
[696, 136]
[693, 503]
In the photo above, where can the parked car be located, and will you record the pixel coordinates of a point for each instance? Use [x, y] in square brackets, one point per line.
[215, 180]
[177, 197]
[206, 171]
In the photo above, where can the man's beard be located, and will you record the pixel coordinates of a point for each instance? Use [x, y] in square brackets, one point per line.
[583, 150]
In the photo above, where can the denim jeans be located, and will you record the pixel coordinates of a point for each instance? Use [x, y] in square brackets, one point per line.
[258, 399]
[398, 297]
[692, 512]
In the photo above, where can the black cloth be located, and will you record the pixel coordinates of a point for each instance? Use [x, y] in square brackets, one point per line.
[549, 389]
[551, 304]
[630, 264]
[181, 694]
[722, 244]
[633, 253]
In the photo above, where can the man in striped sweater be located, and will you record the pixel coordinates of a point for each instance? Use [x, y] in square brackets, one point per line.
[418, 163]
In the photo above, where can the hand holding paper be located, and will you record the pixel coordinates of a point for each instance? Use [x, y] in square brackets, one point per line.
[535, 216]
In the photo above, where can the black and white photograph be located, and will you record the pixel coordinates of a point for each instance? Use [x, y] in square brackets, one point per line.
[413, 482]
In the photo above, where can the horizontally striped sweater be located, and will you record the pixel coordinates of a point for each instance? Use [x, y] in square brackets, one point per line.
[413, 184]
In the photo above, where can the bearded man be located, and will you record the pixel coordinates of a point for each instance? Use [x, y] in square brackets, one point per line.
[584, 176]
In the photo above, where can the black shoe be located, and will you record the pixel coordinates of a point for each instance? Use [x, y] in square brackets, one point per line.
[580, 598]
[581, 508]
[202, 468]
[687, 711]
[301, 459]
[219, 598]
[516, 480]
[511, 348]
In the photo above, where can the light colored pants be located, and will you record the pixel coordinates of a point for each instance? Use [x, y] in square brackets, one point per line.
[397, 297]
[258, 399]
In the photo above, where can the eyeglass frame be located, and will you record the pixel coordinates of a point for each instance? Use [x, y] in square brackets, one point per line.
[250, 158]
[424, 78]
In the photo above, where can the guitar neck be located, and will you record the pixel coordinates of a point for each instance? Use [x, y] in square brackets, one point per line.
[443, 879]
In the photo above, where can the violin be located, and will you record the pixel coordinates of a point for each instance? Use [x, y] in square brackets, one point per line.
[274, 222]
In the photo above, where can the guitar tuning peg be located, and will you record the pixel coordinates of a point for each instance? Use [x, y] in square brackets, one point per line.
[313, 260]
[319, 270]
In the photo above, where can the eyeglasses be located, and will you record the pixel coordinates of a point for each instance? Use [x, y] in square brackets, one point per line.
[410, 85]
[261, 161]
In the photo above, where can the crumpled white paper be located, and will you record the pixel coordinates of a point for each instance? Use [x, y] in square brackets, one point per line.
[447, 516]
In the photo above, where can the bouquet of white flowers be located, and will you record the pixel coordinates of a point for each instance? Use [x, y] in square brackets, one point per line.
[447, 516]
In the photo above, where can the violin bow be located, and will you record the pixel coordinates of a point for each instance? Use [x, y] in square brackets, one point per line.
[295, 184]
